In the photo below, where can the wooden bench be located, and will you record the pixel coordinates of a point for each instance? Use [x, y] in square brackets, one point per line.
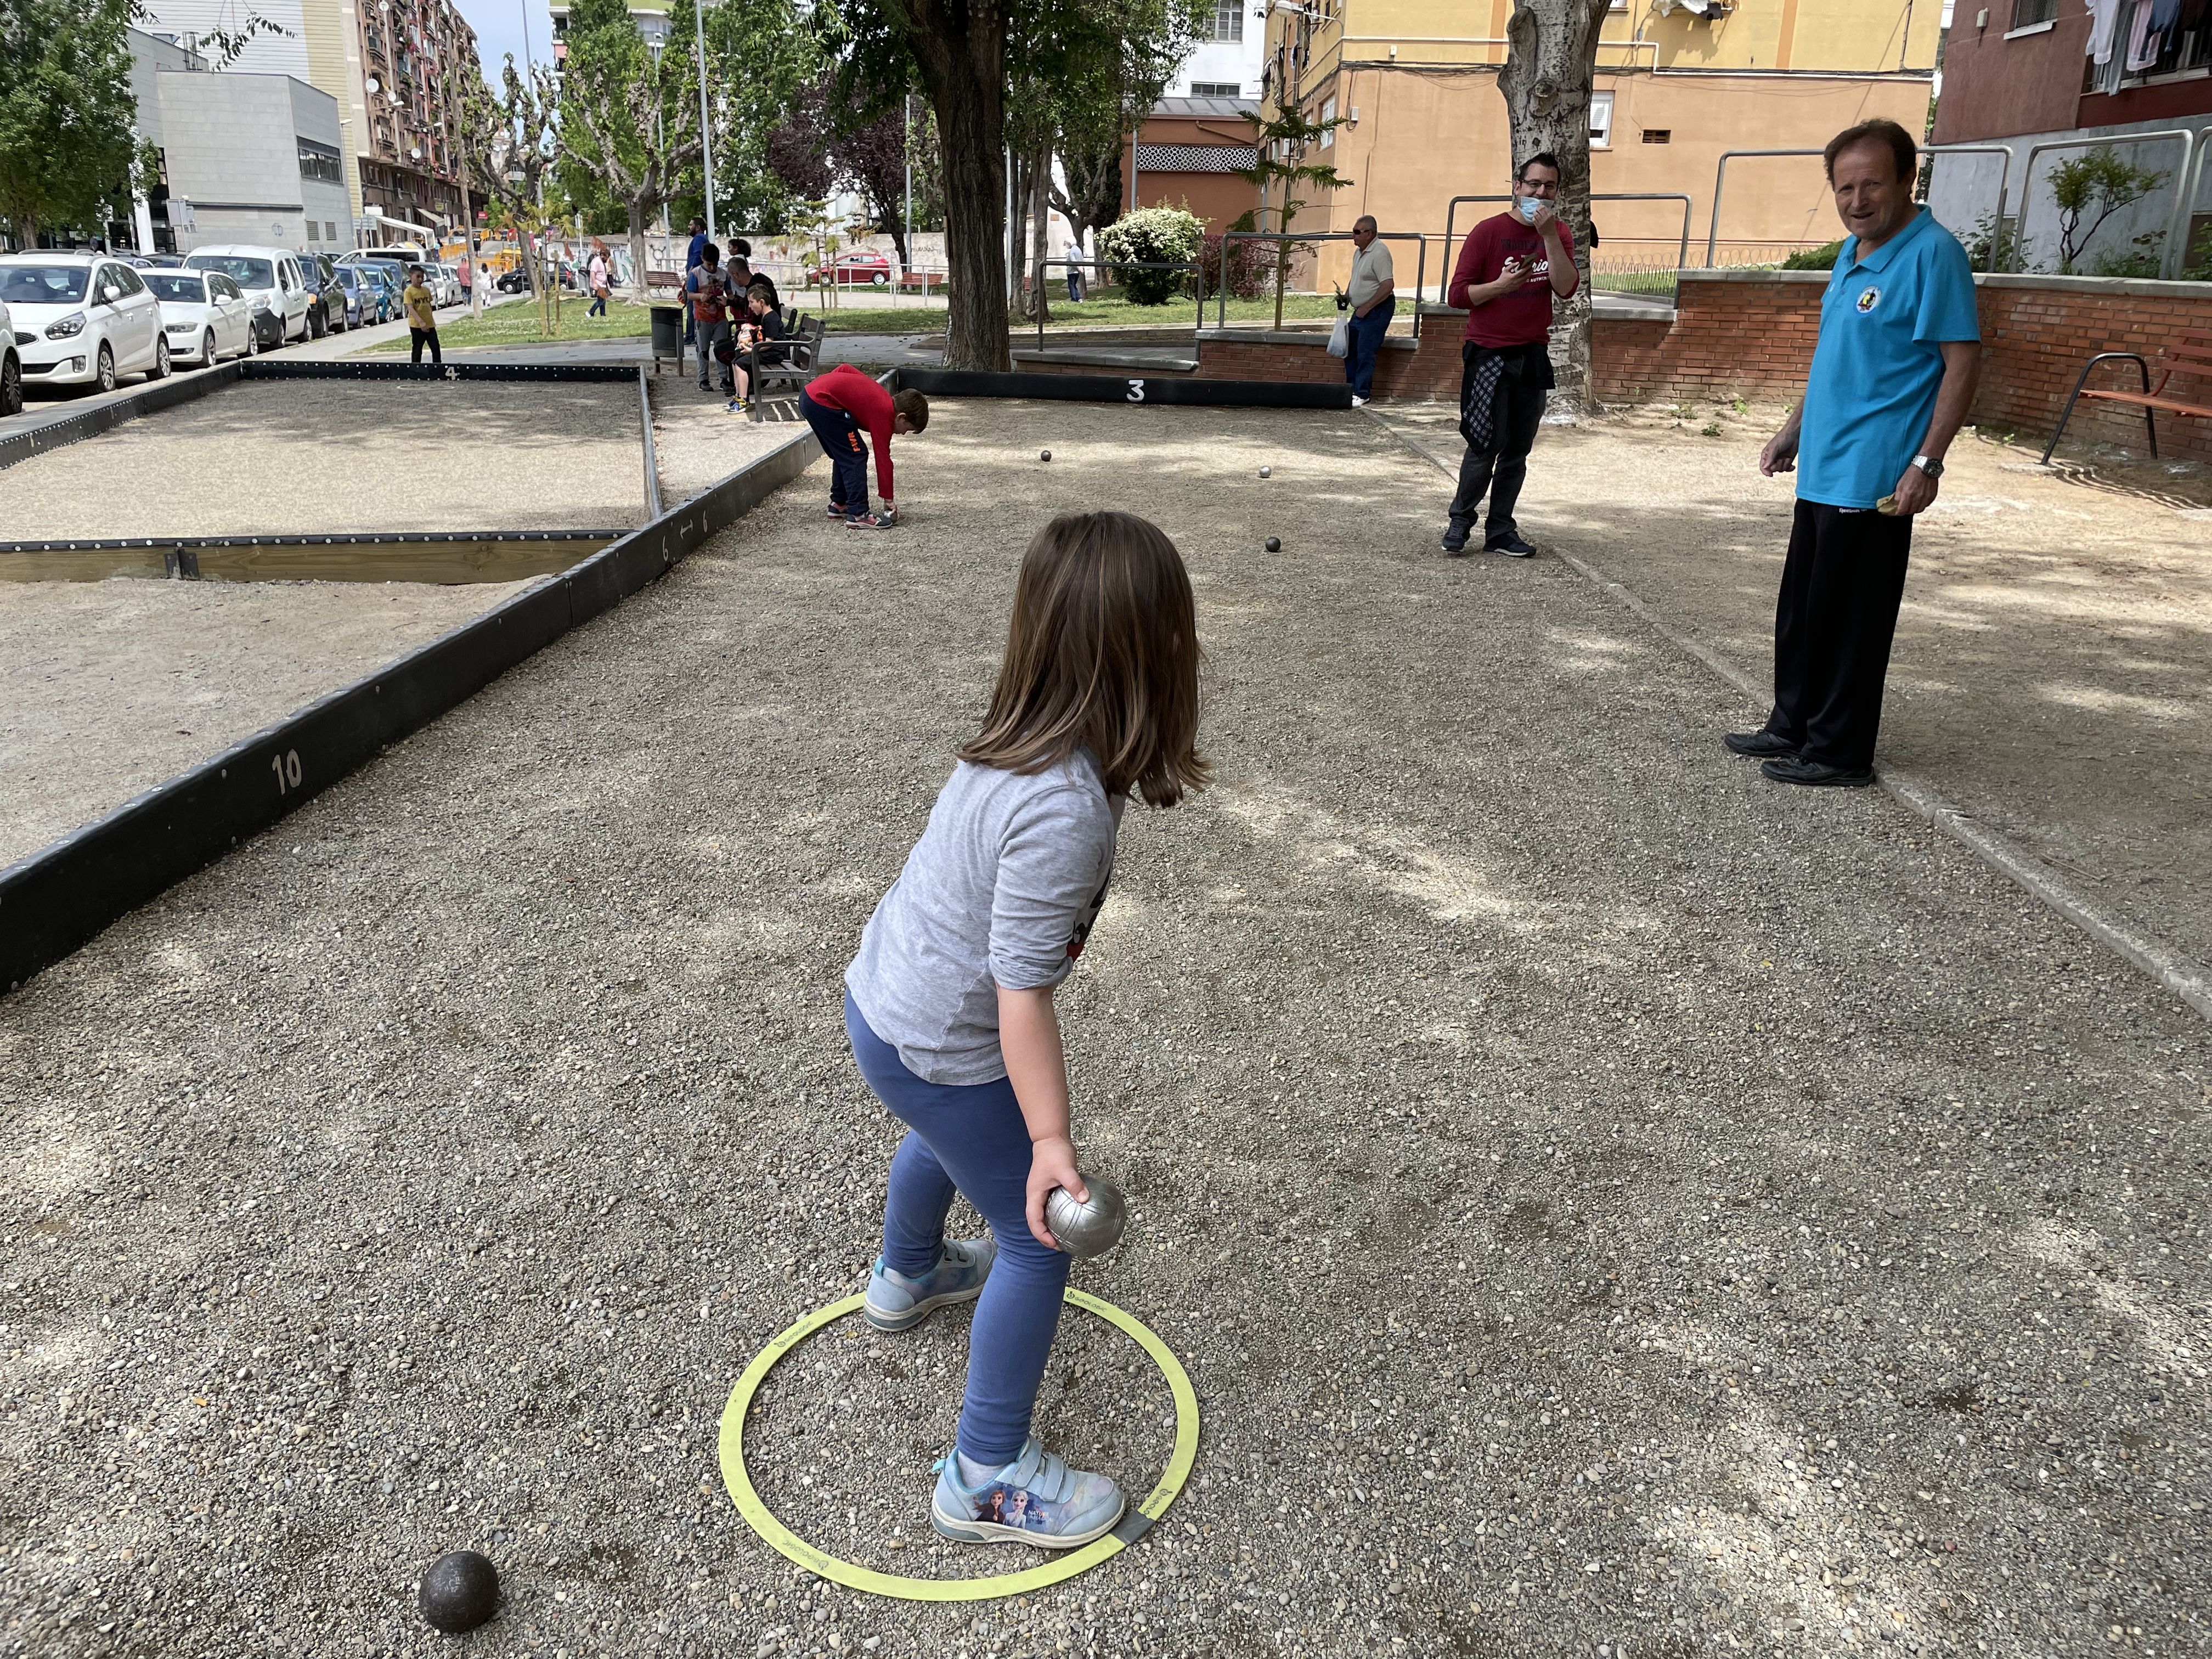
[2190, 352]
[802, 360]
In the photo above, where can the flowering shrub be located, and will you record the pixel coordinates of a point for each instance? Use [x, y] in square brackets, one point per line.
[1165, 234]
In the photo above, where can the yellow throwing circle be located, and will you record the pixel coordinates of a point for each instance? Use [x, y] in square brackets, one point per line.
[789, 1544]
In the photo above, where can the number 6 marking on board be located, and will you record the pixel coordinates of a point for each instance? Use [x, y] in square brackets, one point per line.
[286, 766]
[1136, 392]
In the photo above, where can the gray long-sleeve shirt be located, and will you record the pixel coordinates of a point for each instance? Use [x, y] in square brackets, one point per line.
[1002, 890]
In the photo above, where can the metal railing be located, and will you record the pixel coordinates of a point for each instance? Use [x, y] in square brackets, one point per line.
[2178, 216]
[1720, 180]
[1420, 263]
[1102, 266]
[1451, 214]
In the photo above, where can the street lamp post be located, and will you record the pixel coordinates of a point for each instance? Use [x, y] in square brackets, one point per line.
[706, 150]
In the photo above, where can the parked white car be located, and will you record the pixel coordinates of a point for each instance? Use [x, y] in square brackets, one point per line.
[206, 316]
[82, 318]
[11, 368]
[270, 278]
[445, 285]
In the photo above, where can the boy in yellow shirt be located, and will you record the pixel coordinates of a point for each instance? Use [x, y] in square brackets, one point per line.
[422, 321]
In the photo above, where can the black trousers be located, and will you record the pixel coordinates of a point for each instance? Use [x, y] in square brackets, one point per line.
[417, 338]
[1503, 467]
[1834, 622]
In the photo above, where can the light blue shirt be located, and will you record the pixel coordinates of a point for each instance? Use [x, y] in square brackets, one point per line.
[1879, 361]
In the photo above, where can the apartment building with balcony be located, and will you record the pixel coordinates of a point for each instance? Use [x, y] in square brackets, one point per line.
[1679, 83]
[388, 64]
[2026, 73]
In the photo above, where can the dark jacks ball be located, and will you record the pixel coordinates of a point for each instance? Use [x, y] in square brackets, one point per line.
[1044, 454]
[1274, 544]
[460, 1592]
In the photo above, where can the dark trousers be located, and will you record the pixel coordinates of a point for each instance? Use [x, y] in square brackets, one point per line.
[599, 307]
[418, 338]
[1834, 622]
[1502, 467]
[1366, 344]
[1075, 288]
[710, 336]
[845, 445]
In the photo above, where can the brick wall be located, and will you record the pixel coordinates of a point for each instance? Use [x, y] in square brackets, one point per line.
[1750, 334]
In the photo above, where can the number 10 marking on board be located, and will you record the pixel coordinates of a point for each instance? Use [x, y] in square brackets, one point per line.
[286, 766]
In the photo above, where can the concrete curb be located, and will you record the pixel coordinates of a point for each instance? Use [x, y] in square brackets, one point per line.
[2187, 979]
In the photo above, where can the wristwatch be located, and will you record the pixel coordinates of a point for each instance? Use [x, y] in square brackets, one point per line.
[1930, 464]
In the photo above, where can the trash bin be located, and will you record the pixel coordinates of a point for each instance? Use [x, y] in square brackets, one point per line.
[667, 336]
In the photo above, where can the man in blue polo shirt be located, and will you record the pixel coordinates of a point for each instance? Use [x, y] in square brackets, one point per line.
[1892, 377]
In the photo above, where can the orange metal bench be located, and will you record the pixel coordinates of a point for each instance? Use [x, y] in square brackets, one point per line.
[2188, 353]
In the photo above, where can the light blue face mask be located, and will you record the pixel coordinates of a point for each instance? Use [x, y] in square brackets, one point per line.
[1530, 205]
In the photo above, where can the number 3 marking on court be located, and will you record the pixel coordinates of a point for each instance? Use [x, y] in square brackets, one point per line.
[286, 766]
[1136, 392]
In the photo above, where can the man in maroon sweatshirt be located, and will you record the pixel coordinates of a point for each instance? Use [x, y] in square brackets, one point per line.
[1509, 268]
[841, 404]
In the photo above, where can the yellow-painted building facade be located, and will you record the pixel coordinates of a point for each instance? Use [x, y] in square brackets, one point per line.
[1415, 85]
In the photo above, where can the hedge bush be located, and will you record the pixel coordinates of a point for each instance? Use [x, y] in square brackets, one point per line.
[1161, 233]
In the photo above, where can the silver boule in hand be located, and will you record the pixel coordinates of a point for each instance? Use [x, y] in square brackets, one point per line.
[1087, 1227]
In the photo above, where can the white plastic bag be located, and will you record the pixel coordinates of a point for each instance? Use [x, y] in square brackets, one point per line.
[1340, 338]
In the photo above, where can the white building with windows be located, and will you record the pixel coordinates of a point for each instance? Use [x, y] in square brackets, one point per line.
[1228, 60]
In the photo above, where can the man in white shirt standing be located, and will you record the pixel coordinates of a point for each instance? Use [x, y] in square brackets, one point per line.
[1373, 305]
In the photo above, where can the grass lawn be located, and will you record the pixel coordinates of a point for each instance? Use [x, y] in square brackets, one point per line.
[517, 325]
[1109, 310]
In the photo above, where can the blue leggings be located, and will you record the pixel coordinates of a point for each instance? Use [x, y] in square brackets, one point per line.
[971, 1138]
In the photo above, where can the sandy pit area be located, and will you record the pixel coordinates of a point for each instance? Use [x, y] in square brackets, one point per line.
[2052, 674]
[698, 442]
[1607, 1203]
[114, 686]
[285, 458]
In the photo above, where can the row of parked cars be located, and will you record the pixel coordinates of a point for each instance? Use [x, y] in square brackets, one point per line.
[75, 319]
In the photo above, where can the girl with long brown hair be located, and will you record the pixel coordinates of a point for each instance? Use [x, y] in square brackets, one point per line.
[949, 1003]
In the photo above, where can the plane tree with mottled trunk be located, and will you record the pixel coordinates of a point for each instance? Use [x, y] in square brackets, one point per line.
[629, 118]
[1550, 61]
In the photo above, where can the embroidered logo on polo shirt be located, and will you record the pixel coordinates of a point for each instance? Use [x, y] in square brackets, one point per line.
[1869, 299]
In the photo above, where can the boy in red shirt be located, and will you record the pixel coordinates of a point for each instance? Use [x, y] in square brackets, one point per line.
[1509, 269]
[839, 406]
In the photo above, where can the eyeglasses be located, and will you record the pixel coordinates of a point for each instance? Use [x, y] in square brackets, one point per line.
[1538, 186]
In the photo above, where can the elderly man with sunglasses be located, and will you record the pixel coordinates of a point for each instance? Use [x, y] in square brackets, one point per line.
[1509, 268]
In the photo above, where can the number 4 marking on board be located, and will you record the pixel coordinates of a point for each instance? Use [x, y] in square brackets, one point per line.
[1136, 392]
[286, 766]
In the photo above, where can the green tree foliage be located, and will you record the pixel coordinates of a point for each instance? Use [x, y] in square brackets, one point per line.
[1126, 55]
[760, 57]
[1286, 180]
[629, 116]
[2094, 186]
[67, 154]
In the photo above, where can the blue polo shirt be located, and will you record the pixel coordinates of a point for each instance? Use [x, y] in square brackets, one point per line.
[1879, 362]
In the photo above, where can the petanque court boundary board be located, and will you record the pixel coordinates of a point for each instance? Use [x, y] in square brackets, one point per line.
[62, 895]
[1176, 389]
[68, 427]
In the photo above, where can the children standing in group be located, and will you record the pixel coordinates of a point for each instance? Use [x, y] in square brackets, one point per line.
[838, 405]
[949, 1002]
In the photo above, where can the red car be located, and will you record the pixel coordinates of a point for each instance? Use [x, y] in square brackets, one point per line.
[860, 268]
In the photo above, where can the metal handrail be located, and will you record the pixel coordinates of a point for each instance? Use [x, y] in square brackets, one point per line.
[1451, 215]
[1720, 176]
[2169, 263]
[1420, 263]
[1102, 265]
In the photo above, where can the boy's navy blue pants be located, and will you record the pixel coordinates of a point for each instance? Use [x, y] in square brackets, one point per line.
[847, 446]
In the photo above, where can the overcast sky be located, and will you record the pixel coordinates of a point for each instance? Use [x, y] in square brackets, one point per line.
[499, 25]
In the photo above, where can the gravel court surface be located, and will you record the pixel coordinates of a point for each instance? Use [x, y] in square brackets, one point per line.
[114, 686]
[697, 442]
[288, 457]
[1606, 1204]
[2053, 667]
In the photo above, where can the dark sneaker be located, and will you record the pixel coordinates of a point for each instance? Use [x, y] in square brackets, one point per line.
[1510, 545]
[870, 521]
[837, 510]
[1455, 540]
[1817, 774]
[1759, 745]
[1037, 1499]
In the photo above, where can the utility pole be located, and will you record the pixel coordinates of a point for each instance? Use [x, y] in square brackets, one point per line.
[706, 150]
[906, 108]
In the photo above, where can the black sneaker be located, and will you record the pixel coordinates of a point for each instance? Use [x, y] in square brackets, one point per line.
[1510, 545]
[1761, 744]
[1455, 540]
[1817, 774]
